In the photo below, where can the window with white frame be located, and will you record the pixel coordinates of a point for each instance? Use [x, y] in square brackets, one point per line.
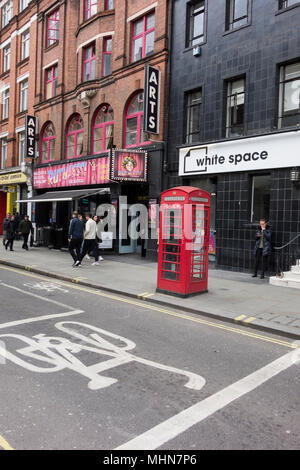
[5, 103]
[287, 3]
[237, 13]
[3, 152]
[7, 12]
[25, 45]
[196, 23]
[6, 58]
[24, 4]
[24, 95]
[21, 145]
[289, 95]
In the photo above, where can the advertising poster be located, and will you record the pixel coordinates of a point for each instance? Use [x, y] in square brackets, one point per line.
[129, 166]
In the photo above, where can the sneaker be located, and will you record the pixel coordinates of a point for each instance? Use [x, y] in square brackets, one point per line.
[101, 259]
[87, 257]
[77, 263]
[96, 263]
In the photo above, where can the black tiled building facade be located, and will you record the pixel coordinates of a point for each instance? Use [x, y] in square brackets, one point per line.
[233, 70]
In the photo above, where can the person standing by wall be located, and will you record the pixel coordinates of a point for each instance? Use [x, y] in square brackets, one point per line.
[75, 237]
[263, 248]
[4, 226]
[25, 228]
[10, 233]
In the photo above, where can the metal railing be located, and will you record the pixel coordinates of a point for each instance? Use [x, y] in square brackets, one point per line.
[287, 255]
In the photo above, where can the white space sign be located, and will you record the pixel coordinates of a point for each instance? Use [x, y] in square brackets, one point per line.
[257, 153]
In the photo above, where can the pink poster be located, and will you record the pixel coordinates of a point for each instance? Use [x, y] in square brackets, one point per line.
[129, 166]
[85, 172]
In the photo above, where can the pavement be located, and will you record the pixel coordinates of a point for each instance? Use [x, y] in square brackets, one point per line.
[233, 297]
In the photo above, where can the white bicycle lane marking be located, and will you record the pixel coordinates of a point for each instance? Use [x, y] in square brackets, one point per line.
[59, 353]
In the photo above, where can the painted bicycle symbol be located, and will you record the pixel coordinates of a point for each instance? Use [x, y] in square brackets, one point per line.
[47, 286]
[59, 353]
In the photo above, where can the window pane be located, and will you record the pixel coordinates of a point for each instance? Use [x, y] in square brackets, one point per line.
[108, 45]
[240, 8]
[70, 145]
[149, 43]
[49, 90]
[79, 143]
[107, 64]
[198, 25]
[137, 52]
[138, 27]
[292, 71]
[291, 96]
[150, 21]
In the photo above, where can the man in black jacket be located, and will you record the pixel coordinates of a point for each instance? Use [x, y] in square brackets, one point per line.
[263, 247]
[25, 228]
[75, 238]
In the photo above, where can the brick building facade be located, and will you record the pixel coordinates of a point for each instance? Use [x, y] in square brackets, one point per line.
[86, 79]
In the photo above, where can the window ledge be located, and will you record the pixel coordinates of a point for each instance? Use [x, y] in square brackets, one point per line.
[23, 61]
[48, 48]
[237, 29]
[5, 74]
[97, 16]
[190, 48]
[283, 10]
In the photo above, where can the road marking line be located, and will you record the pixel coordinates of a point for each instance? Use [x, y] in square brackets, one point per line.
[4, 444]
[141, 295]
[41, 318]
[154, 308]
[241, 317]
[148, 295]
[249, 320]
[173, 427]
[46, 299]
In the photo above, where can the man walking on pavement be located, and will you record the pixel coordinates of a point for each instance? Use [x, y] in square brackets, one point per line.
[25, 228]
[263, 247]
[90, 233]
[75, 238]
[5, 224]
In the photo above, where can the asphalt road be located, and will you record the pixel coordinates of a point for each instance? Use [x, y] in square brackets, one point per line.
[84, 369]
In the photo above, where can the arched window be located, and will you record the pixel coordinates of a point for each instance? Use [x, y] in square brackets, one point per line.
[103, 129]
[74, 137]
[134, 117]
[48, 143]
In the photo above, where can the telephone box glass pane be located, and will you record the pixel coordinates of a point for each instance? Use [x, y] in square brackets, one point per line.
[199, 251]
[172, 229]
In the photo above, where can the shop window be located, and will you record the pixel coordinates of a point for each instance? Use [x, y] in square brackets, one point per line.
[74, 144]
[142, 43]
[235, 108]
[260, 198]
[108, 4]
[25, 45]
[134, 119]
[3, 152]
[103, 129]
[6, 58]
[21, 146]
[89, 63]
[193, 102]
[287, 3]
[51, 77]
[7, 13]
[48, 143]
[289, 96]
[53, 28]
[23, 95]
[91, 8]
[106, 58]
[195, 23]
[237, 13]
[5, 104]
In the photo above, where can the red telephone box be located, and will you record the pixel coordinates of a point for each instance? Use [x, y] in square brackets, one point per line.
[183, 241]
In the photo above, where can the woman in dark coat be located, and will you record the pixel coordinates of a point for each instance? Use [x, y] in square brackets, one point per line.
[10, 233]
[263, 247]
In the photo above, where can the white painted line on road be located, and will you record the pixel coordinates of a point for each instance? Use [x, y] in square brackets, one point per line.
[36, 296]
[173, 427]
[41, 318]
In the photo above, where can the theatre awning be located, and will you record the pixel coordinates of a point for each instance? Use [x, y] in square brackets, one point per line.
[65, 195]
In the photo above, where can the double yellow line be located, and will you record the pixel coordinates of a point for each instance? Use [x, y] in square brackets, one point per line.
[4, 444]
